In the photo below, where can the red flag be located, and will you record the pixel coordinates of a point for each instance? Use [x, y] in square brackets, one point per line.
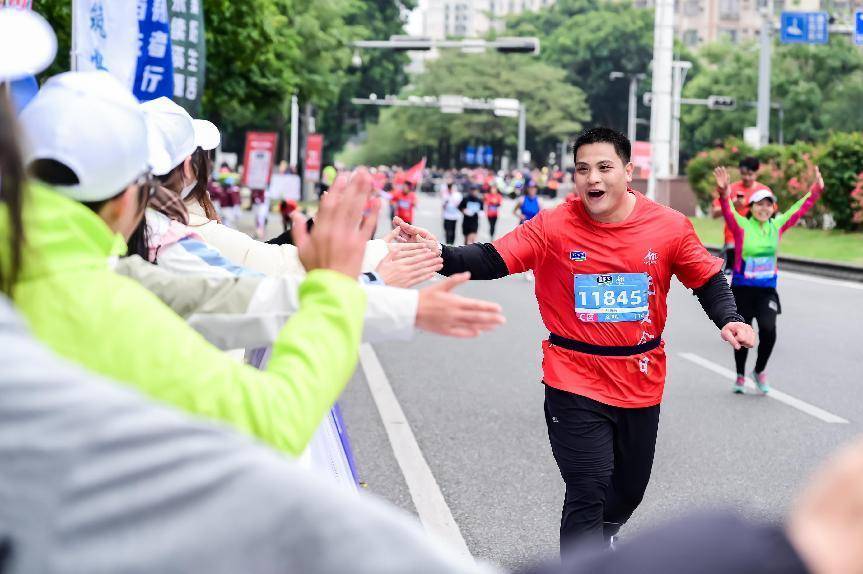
[415, 173]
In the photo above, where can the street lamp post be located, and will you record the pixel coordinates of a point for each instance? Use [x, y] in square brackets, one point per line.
[632, 112]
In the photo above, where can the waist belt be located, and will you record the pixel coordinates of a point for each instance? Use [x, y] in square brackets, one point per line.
[608, 351]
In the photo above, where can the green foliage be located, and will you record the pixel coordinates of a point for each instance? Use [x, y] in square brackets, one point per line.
[382, 72]
[555, 109]
[588, 40]
[820, 87]
[841, 162]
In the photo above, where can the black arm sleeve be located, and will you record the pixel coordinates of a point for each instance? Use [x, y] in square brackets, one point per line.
[717, 300]
[481, 259]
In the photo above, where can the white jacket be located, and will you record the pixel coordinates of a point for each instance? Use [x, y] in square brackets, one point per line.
[235, 308]
[259, 256]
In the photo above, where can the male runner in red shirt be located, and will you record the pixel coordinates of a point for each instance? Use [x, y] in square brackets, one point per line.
[405, 200]
[603, 264]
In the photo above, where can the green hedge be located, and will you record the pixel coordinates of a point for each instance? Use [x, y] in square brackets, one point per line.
[789, 171]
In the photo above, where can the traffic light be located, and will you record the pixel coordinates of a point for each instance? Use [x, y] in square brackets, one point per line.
[721, 102]
[516, 45]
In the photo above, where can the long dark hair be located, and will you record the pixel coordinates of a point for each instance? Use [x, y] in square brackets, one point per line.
[11, 193]
[202, 163]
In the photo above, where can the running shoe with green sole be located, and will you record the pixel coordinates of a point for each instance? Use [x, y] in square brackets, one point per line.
[760, 380]
[739, 385]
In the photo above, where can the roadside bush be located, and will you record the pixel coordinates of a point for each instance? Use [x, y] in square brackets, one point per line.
[841, 161]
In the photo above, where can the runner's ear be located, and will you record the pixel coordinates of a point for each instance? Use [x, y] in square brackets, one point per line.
[630, 169]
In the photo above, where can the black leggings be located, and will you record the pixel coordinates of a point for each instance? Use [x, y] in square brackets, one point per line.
[605, 455]
[492, 223]
[449, 231]
[761, 304]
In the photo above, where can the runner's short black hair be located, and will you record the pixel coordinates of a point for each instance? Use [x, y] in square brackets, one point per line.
[750, 163]
[602, 134]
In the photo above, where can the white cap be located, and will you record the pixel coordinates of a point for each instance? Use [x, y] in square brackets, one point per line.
[762, 194]
[171, 133]
[27, 43]
[207, 136]
[91, 123]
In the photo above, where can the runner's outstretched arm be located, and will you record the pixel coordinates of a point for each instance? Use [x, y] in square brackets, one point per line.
[717, 300]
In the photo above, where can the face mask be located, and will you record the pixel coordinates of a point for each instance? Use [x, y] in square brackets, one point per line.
[187, 190]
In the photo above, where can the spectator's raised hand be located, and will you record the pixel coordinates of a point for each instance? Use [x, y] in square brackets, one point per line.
[338, 239]
[445, 313]
[407, 264]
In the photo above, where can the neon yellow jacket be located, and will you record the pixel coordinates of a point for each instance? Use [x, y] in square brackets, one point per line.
[87, 313]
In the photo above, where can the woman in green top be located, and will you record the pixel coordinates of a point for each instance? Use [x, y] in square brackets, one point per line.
[756, 241]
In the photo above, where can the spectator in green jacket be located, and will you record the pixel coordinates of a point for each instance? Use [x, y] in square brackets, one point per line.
[88, 154]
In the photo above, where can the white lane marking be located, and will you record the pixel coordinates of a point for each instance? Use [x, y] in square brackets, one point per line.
[433, 511]
[787, 399]
[822, 280]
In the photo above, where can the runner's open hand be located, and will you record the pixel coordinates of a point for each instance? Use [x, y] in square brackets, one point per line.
[738, 335]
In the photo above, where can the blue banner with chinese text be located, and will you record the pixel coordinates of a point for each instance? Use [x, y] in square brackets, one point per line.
[154, 75]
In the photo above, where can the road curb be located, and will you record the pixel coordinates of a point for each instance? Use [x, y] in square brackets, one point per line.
[817, 267]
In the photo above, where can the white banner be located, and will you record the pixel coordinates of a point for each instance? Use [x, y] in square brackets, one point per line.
[105, 36]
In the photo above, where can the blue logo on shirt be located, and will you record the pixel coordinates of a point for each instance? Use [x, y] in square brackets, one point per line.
[578, 256]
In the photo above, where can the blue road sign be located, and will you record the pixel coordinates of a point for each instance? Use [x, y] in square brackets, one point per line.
[804, 28]
[858, 27]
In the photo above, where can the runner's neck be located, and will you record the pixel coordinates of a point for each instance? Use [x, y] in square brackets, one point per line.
[621, 213]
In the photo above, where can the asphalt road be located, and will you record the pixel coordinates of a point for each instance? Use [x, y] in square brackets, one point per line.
[475, 408]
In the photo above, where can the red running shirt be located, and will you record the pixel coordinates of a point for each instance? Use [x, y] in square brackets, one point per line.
[563, 246]
[492, 204]
[405, 203]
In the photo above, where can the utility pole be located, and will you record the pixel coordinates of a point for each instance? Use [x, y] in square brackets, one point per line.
[680, 69]
[660, 111]
[632, 110]
[295, 132]
[522, 135]
[766, 41]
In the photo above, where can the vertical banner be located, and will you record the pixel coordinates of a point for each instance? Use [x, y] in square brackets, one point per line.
[154, 76]
[189, 51]
[641, 159]
[314, 157]
[259, 159]
[25, 4]
[105, 37]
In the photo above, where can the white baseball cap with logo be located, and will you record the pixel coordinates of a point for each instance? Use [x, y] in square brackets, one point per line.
[762, 194]
[91, 123]
[27, 43]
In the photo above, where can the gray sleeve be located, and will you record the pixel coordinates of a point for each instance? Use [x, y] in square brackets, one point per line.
[98, 479]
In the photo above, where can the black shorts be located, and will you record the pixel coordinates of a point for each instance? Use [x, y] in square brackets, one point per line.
[469, 225]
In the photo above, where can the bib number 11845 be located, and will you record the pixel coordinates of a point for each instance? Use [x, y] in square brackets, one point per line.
[611, 298]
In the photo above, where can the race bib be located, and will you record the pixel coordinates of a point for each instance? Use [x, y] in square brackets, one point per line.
[404, 204]
[470, 211]
[759, 267]
[611, 298]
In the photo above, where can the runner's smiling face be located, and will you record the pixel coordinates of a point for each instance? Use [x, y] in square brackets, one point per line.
[602, 180]
[763, 210]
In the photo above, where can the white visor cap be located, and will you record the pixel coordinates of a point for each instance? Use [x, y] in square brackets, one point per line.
[762, 194]
[91, 123]
[207, 136]
[171, 134]
[27, 43]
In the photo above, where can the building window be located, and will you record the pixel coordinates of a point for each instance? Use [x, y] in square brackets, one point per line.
[729, 35]
[729, 9]
[692, 8]
[690, 37]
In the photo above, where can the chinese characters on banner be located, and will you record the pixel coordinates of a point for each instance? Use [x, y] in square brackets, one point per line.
[25, 4]
[106, 37]
[314, 157]
[189, 52]
[154, 76]
[259, 158]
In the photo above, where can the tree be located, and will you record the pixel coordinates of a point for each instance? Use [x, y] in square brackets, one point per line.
[381, 72]
[819, 87]
[555, 110]
[589, 40]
